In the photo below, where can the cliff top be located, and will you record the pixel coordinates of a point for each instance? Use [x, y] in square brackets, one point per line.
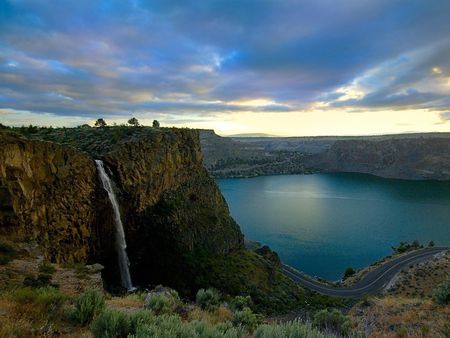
[96, 141]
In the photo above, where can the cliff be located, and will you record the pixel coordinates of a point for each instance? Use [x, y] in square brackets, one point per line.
[48, 193]
[170, 206]
[403, 156]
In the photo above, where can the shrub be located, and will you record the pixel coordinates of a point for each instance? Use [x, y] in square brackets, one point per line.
[295, 328]
[24, 295]
[349, 272]
[46, 268]
[111, 324]
[40, 281]
[240, 302]
[441, 294]
[48, 297]
[7, 252]
[245, 318]
[171, 326]
[208, 299]
[160, 304]
[333, 321]
[87, 306]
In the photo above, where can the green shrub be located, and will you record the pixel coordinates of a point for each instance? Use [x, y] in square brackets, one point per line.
[111, 324]
[7, 252]
[333, 321]
[441, 294]
[292, 329]
[46, 268]
[48, 297]
[240, 302]
[349, 272]
[208, 299]
[245, 318]
[171, 326]
[87, 306]
[24, 295]
[160, 304]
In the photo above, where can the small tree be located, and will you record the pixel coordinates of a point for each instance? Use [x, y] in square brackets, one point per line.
[134, 122]
[155, 124]
[349, 272]
[431, 244]
[100, 123]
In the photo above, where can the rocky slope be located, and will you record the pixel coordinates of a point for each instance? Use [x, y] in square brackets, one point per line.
[170, 206]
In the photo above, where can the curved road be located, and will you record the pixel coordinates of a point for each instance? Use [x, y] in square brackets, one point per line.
[372, 282]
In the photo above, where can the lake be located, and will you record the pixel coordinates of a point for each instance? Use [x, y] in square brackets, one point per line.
[323, 223]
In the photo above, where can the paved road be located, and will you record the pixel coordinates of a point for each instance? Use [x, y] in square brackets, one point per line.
[371, 283]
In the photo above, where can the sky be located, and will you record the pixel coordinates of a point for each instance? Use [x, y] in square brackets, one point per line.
[281, 67]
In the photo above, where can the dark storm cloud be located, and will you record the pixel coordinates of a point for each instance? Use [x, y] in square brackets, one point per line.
[85, 57]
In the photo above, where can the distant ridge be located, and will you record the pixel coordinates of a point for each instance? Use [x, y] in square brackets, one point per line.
[252, 135]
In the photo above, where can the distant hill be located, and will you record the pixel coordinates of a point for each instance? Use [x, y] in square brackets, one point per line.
[252, 135]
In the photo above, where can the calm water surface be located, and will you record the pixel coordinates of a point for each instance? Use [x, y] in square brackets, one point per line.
[323, 223]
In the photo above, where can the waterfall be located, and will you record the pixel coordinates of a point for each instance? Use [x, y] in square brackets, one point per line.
[121, 245]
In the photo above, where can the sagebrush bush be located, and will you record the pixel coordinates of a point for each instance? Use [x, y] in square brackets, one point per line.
[441, 294]
[172, 326]
[294, 329]
[240, 302]
[245, 318]
[208, 299]
[87, 306]
[333, 321]
[111, 324]
[48, 297]
[161, 304]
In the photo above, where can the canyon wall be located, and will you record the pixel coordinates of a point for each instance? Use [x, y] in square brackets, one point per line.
[170, 206]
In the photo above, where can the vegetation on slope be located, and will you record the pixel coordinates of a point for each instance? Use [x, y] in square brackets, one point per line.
[245, 272]
[94, 141]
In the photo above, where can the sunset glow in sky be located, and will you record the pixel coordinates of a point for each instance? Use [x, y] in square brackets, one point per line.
[282, 67]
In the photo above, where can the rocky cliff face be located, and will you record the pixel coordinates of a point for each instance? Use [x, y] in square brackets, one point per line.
[169, 204]
[406, 158]
[48, 193]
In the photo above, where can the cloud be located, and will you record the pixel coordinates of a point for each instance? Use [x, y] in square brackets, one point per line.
[445, 116]
[83, 58]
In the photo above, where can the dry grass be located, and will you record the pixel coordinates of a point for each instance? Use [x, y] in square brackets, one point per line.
[220, 315]
[421, 279]
[407, 309]
[386, 316]
[128, 303]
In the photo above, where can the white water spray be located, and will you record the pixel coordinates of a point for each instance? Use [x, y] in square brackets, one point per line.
[121, 245]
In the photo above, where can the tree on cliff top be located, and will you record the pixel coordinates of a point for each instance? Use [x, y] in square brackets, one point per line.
[100, 123]
[134, 122]
[155, 124]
